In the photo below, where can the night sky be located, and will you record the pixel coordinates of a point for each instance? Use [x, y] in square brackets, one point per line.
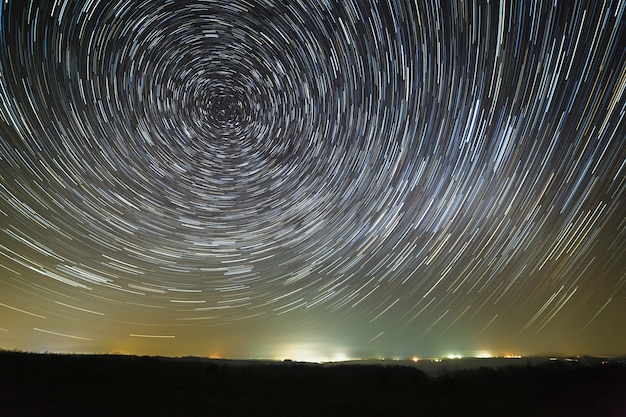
[313, 180]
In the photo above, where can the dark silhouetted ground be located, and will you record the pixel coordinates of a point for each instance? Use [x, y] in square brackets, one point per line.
[115, 385]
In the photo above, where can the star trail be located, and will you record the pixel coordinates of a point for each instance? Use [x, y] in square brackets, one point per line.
[306, 179]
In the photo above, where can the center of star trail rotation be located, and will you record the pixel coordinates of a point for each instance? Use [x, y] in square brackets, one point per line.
[395, 175]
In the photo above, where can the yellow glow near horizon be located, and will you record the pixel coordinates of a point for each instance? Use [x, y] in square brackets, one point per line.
[311, 353]
[339, 357]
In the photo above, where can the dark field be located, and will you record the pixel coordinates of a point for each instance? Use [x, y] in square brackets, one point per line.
[112, 385]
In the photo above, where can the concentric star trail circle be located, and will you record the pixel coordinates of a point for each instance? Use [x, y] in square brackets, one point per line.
[418, 165]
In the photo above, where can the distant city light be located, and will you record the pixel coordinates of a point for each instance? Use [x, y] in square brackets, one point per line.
[339, 357]
[311, 352]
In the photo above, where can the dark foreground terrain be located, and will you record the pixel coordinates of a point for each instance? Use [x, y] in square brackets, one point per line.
[114, 385]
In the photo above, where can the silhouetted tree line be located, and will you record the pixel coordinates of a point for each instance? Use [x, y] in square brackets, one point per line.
[585, 368]
[50, 384]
